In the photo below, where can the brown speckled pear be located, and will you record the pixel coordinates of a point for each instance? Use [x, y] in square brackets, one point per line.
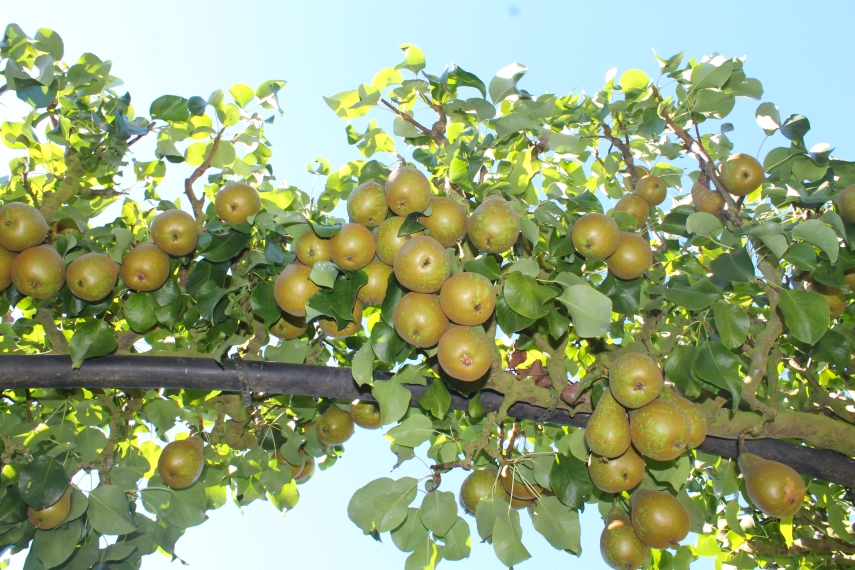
[92, 276]
[175, 232]
[742, 174]
[447, 222]
[660, 430]
[706, 200]
[607, 432]
[293, 289]
[6, 259]
[236, 202]
[619, 546]
[422, 265]
[494, 226]
[635, 380]
[374, 291]
[288, 327]
[352, 247]
[331, 328]
[651, 189]
[311, 249]
[38, 272]
[181, 462]
[419, 320]
[366, 204]
[52, 516]
[335, 426]
[696, 415]
[387, 240]
[616, 475]
[407, 190]
[774, 488]
[595, 236]
[636, 206]
[465, 353]
[468, 298]
[659, 519]
[365, 414]
[21, 226]
[632, 257]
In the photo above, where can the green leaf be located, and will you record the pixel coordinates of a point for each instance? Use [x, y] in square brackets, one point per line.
[411, 225]
[410, 533]
[504, 84]
[526, 296]
[338, 303]
[436, 399]
[703, 224]
[139, 311]
[412, 432]
[263, 303]
[457, 542]
[833, 348]
[439, 512]
[802, 255]
[90, 340]
[795, 127]
[693, 297]
[485, 265]
[633, 80]
[507, 539]
[819, 234]
[570, 481]
[559, 524]
[49, 41]
[226, 245]
[392, 398]
[720, 367]
[590, 310]
[424, 557]
[288, 351]
[170, 108]
[736, 266]
[806, 314]
[508, 319]
[361, 510]
[324, 273]
[53, 547]
[674, 473]
[242, 94]
[391, 508]
[415, 59]
[625, 295]
[387, 345]
[732, 324]
[109, 511]
[362, 367]
[13, 509]
[42, 482]
[768, 118]
[204, 272]
[714, 73]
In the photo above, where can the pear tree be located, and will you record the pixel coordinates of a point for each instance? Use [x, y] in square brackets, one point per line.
[493, 272]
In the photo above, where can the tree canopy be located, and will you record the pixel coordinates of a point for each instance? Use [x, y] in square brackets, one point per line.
[734, 289]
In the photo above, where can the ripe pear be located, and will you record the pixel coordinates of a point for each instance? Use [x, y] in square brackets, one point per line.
[175, 232]
[331, 329]
[632, 257]
[659, 519]
[465, 353]
[835, 297]
[52, 516]
[849, 278]
[616, 475]
[636, 206]
[494, 226]
[38, 272]
[63, 226]
[295, 469]
[448, 221]
[366, 204]
[467, 298]
[706, 200]
[92, 276]
[619, 546]
[387, 240]
[407, 190]
[236, 202]
[651, 189]
[365, 414]
[181, 462]
[419, 320]
[660, 430]
[335, 426]
[742, 174]
[422, 265]
[845, 202]
[352, 248]
[479, 484]
[288, 327]
[516, 487]
[607, 432]
[374, 291]
[6, 259]
[311, 249]
[774, 488]
[293, 289]
[635, 380]
[695, 414]
[21, 226]
[595, 236]
[145, 268]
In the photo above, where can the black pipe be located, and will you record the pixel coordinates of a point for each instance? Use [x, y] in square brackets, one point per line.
[153, 372]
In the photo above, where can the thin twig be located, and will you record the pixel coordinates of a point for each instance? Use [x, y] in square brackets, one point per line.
[197, 203]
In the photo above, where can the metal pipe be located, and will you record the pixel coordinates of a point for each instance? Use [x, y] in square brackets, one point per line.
[153, 372]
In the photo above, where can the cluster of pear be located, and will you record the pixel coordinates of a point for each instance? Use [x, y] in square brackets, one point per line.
[627, 254]
[506, 483]
[39, 271]
[439, 309]
[741, 175]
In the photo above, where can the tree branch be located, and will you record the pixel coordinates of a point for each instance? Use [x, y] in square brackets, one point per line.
[407, 118]
[58, 342]
[821, 396]
[198, 203]
[800, 546]
[625, 151]
[66, 189]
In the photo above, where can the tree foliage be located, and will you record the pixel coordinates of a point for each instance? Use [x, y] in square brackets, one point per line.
[732, 308]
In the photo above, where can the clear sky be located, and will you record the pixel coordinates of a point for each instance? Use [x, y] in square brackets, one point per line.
[802, 52]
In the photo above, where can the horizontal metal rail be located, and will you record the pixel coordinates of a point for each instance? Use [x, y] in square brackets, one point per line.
[154, 372]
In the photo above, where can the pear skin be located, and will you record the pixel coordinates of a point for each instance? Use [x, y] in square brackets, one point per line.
[706, 200]
[659, 519]
[608, 431]
[660, 430]
[696, 415]
[619, 546]
[616, 475]
[774, 488]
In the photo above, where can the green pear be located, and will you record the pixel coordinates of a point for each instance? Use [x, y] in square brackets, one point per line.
[635, 380]
[660, 430]
[616, 475]
[659, 519]
[608, 431]
[696, 415]
[706, 200]
[21, 226]
[619, 546]
[774, 488]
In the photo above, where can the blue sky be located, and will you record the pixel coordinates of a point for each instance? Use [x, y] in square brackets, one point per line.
[801, 52]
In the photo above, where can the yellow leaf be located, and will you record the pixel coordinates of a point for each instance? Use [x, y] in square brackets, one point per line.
[787, 530]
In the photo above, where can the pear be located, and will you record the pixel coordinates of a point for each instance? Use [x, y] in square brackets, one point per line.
[635, 380]
[608, 432]
[659, 519]
[619, 546]
[845, 202]
[616, 475]
[696, 415]
[660, 430]
[21, 226]
[774, 488]
[38, 272]
[706, 200]
[6, 259]
[742, 174]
